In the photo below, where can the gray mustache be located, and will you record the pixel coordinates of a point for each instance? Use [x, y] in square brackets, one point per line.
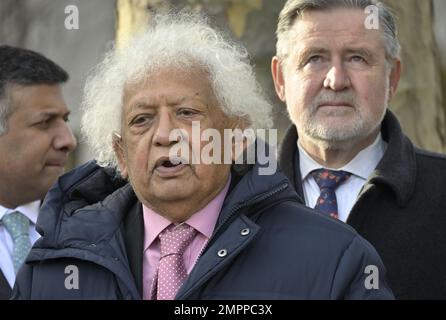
[326, 97]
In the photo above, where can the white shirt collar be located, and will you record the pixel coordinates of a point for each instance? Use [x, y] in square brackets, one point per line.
[30, 210]
[362, 165]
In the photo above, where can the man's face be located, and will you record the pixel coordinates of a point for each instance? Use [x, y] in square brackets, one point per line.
[35, 148]
[336, 81]
[167, 100]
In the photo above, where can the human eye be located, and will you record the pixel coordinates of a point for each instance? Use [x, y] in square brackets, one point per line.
[315, 59]
[44, 123]
[357, 59]
[187, 112]
[141, 120]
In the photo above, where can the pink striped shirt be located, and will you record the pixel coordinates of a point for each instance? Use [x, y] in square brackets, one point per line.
[203, 221]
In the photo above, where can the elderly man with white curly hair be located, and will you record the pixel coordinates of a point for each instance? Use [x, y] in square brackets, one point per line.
[139, 223]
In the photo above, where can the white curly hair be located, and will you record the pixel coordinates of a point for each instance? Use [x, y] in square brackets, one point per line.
[179, 40]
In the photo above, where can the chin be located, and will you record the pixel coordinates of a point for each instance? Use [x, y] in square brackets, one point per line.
[49, 175]
[170, 193]
[339, 136]
[54, 170]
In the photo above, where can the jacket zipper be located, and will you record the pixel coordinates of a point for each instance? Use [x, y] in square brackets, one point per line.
[231, 213]
[241, 206]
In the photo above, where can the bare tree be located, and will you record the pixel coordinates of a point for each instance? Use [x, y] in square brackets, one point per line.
[419, 103]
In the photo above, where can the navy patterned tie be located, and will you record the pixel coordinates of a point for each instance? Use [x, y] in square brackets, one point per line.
[17, 225]
[328, 181]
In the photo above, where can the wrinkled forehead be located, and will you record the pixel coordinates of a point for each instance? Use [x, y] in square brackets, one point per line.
[174, 83]
[337, 28]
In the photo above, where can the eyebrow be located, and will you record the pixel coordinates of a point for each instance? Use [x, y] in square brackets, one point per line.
[361, 51]
[53, 114]
[306, 52]
[149, 104]
[316, 50]
[312, 50]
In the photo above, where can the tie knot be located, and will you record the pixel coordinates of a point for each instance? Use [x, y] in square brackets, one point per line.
[329, 179]
[17, 224]
[175, 239]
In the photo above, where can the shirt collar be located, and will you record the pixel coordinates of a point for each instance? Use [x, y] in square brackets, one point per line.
[203, 220]
[362, 165]
[30, 210]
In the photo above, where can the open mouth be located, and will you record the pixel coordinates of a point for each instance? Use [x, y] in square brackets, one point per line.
[169, 162]
[166, 166]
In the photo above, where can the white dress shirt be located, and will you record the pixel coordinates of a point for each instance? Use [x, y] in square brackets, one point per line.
[31, 211]
[361, 167]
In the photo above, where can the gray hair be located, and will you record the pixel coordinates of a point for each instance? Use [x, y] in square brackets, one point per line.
[293, 9]
[179, 40]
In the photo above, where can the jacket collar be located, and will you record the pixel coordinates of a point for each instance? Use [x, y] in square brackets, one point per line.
[82, 206]
[249, 196]
[86, 207]
[89, 203]
[396, 170]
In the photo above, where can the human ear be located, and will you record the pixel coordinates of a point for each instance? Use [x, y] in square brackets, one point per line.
[278, 77]
[120, 154]
[394, 77]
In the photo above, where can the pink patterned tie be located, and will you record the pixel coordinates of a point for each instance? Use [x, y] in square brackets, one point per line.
[171, 270]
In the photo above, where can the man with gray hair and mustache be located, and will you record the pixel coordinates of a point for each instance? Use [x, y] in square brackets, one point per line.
[139, 224]
[345, 153]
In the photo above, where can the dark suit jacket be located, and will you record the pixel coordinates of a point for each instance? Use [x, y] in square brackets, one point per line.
[5, 289]
[401, 210]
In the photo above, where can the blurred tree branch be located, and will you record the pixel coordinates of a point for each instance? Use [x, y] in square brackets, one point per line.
[419, 103]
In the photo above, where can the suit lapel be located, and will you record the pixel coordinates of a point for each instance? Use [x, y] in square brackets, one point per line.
[5, 289]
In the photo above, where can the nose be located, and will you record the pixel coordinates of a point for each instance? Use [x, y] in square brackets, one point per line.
[64, 139]
[337, 78]
[163, 129]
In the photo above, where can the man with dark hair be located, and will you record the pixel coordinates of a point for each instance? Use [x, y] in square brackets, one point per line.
[346, 153]
[34, 144]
